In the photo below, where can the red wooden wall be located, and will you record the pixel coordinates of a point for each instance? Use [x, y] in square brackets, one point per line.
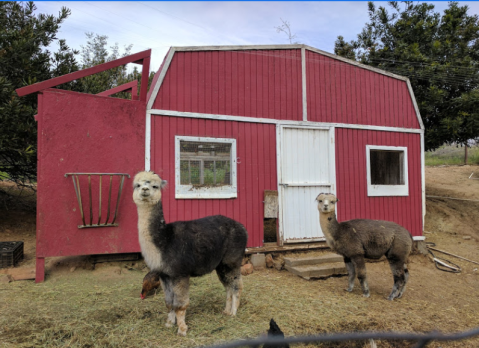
[256, 170]
[85, 133]
[351, 181]
[339, 92]
[264, 84]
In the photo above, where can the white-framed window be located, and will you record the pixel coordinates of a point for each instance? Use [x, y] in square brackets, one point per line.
[205, 167]
[387, 172]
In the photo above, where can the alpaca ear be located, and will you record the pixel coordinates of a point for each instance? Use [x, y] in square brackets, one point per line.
[163, 184]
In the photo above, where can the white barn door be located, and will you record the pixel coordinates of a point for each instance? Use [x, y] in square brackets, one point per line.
[306, 168]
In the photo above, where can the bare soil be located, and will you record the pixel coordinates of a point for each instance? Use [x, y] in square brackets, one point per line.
[81, 305]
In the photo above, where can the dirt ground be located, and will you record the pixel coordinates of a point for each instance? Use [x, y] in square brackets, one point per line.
[81, 305]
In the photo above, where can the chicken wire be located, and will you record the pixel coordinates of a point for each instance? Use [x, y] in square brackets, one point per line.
[205, 163]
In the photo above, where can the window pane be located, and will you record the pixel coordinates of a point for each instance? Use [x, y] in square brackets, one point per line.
[205, 163]
[189, 172]
[387, 167]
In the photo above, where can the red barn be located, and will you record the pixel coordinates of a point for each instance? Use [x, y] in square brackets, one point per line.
[298, 120]
[224, 125]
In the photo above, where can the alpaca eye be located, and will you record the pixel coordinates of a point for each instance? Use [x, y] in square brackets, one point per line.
[137, 185]
[155, 187]
[320, 201]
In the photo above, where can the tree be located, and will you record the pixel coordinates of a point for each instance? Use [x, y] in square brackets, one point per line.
[286, 28]
[440, 56]
[25, 58]
[96, 52]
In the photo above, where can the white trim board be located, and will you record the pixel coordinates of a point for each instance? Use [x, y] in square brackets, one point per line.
[387, 190]
[159, 82]
[192, 192]
[303, 84]
[280, 122]
[148, 142]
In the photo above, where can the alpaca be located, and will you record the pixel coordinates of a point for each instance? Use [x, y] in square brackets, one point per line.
[363, 238]
[184, 249]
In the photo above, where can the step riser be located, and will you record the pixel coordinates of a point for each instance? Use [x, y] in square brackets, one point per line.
[294, 262]
[318, 271]
[318, 274]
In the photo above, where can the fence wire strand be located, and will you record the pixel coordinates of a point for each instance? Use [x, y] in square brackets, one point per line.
[422, 339]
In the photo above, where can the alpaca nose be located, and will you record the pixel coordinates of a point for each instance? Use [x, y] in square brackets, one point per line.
[145, 188]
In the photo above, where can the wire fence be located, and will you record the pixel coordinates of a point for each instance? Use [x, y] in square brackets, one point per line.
[421, 340]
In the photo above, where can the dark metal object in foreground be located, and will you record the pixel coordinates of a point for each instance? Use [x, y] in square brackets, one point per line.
[421, 339]
[76, 185]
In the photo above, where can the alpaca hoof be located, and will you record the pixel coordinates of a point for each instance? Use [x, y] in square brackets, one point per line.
[227, 312]
[169, 324]
[366, 294]
[348, 289]
[182, 331]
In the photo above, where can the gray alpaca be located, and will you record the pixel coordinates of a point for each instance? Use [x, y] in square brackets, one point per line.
[358, 239]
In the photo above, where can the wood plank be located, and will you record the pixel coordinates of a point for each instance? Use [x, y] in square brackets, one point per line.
[270, 204]
[273, 247]
[21, 273]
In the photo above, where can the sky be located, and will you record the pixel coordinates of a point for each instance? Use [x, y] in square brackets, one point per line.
[159, 25]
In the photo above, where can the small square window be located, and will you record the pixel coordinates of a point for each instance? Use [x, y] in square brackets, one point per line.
[387, 171]
[205, 167]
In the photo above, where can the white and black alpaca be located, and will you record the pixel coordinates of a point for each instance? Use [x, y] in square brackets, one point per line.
[185, 249]
[363, 238]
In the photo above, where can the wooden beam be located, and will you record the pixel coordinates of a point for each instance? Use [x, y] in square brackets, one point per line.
[273, 247]
[143, 57]
[130, 87]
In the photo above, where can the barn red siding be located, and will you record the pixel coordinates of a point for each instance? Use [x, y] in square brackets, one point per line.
[253, 83]
[256, 170]
[81, 133]
[343, 93]
[351, 181]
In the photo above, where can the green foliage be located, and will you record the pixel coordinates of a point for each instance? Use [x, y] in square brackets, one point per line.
[95, 52]
[25, 58]
[438, 53]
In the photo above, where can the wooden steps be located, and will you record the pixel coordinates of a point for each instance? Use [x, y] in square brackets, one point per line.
[322, 266]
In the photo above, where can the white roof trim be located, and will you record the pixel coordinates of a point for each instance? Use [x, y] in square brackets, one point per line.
[416, 108]
[279, 122]
[159, 82]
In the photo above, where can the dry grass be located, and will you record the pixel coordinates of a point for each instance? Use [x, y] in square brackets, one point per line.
[102, 308]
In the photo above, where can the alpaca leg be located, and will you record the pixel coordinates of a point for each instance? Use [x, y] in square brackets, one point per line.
[358, 262]
[231, 280]
[397, 268]
[180, 303]
[406, 278]
[351, 273]
[237, 289]
[169, 299]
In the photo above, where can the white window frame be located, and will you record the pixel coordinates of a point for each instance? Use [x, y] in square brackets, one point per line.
[191, 192]
[387, 190]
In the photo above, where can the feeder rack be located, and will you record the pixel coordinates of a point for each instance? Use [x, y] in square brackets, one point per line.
[76, 185]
